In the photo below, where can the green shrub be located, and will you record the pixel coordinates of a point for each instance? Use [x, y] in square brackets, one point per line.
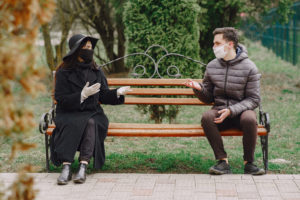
[171, 24]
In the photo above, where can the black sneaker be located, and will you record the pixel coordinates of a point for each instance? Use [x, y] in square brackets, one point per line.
[250, 168]
[220, 168]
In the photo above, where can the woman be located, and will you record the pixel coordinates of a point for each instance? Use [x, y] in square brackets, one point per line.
[81, 124]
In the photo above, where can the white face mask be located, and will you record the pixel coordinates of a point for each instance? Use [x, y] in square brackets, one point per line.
[220, 51]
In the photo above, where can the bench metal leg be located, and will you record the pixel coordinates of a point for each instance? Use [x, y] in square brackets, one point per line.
[47, 151]
[264, 146]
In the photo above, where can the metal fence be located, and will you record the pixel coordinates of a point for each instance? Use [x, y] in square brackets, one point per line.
[282, 39]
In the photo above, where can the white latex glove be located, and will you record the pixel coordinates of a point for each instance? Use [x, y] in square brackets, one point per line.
[123, 90]
[88, 91]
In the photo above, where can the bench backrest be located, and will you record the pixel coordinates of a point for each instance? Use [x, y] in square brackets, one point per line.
[174, 93]
[144, 95]
[165, 96]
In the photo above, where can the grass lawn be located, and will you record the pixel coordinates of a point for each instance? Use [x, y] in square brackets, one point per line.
[280, 91]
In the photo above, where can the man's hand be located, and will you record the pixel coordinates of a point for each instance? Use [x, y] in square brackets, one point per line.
[192, 84]
[223, 114]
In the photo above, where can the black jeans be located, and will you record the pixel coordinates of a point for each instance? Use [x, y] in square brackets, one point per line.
[245, 121]
[87, 143]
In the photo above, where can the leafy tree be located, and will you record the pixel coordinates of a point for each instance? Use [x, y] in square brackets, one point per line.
[172, 24]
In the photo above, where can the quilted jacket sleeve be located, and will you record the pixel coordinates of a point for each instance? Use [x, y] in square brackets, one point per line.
[206, 92]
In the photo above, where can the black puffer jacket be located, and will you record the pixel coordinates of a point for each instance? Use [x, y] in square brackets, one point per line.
[232, 84]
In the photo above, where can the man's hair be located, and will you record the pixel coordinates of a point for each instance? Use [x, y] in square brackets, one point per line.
[229, 34]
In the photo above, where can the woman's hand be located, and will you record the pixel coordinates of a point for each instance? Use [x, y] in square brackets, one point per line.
[88, 91]
[123, 90]
[192, 84]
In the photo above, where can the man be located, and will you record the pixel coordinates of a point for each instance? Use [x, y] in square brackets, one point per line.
[231, 82]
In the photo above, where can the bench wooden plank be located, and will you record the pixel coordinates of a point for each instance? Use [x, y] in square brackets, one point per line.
[171, 132]
[153, 126]
[146, 81]
[163, 130]
[156, 126]
[160, 91]
[164, 101]
[160, 101]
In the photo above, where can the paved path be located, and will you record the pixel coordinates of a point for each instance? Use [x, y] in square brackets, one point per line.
[167, 187]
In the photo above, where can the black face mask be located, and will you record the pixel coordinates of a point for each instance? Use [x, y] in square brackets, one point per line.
[86, 55]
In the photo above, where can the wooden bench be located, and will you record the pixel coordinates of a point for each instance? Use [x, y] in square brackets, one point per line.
[138, 96]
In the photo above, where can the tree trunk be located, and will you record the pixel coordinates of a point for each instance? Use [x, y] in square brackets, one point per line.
[121, 43]
[107, 35]
[58, 56]
[66, 21]
[48, 47]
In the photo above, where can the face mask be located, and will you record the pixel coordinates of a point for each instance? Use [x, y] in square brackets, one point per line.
[86, 55]
[220, 51]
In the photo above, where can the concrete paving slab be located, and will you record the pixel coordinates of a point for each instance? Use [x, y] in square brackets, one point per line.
[111, 186]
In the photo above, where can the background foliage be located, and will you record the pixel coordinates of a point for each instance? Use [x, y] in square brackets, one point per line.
[172, 24]
[230, 13]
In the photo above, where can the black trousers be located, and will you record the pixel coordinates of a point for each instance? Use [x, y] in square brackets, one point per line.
[87, 143]
[245, 122]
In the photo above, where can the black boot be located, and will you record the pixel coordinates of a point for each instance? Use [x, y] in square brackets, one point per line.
[220, 168]
[81, 174]
[250, 168]
[65, 175]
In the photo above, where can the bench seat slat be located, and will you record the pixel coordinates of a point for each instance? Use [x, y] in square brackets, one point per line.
[151, 126]
[163, 101]
[163, 130]
[146, 81]
[156, 126]
[171, 133]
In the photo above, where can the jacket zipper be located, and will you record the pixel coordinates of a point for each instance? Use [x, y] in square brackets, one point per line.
[226, 83]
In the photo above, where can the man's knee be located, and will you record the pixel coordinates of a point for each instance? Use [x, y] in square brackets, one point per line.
[248, 118]
[208, 117]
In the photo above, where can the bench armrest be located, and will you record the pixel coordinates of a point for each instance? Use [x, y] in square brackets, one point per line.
[267, 121]
[264, 119]
[46, 120]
